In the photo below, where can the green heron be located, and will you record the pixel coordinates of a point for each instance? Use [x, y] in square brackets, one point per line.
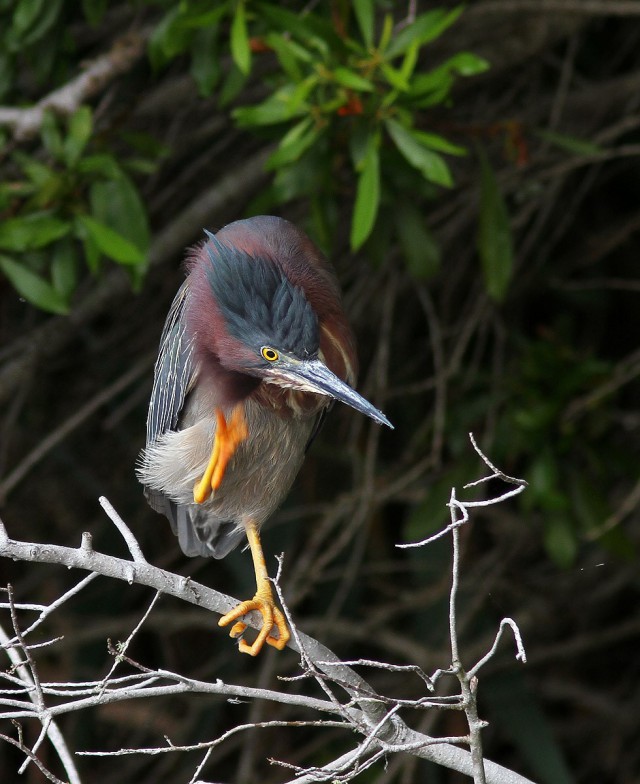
[254, 350]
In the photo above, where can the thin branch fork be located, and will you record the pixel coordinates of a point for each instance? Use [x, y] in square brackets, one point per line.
[459, 512]
[28, 676]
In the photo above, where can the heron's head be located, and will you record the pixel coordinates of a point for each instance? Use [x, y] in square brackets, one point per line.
[266, 326]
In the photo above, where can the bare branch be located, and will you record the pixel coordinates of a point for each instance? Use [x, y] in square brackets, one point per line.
[210, 744]
[49, 725]
[26, 750]
[25, 123]
[46, 611]
[497, 473]
[127, 534]
[123, 647]
[520, 651]
[382, 728]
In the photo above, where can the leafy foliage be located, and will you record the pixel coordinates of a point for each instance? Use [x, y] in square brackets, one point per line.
[76, 203]
[351, 91]
[347, 88]
[493, 292]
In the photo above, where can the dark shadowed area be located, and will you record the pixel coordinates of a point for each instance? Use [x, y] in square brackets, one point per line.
[480, 201]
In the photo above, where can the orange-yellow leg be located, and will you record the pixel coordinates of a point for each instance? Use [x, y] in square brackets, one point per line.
[227, 438]
[263, 602]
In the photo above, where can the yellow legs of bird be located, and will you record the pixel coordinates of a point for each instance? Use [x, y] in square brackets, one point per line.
[263, 602]
[229, 435]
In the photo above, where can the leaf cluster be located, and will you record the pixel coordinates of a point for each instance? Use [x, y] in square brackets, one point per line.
[347, 96]
[70, 204]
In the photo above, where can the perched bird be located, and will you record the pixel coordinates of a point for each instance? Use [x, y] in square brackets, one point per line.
[254, 350]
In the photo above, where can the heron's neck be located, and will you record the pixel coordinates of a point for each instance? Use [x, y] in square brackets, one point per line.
[289, 402]
[229, 387]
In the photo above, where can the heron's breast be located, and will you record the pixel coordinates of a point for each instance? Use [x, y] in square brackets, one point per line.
[259, 474]
[267, 462]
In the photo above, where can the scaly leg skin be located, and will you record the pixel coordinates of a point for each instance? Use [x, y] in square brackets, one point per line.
[229, 435]
[263, 602]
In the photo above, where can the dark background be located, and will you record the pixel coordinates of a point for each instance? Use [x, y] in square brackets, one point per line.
[547, 380]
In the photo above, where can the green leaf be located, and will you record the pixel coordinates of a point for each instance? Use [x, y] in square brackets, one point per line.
[385, 33]
[169, 38]
[424, 29]
[64, 267]
[32, 287]
[495, 244]
[117, 204]
[109, 242]
[94, 10]
[202, 15]
[364, 11]
[31, 231]
[289, 54]
[469, 64]
[43, 22]
[354, 81]
[38, 173]
[395, 78]
[439, 80]
[145, 144]
[359, 141]
[421, 251]
[26, 13]
[367, 195]
[294, 144]
[142, 165]
[314, 30]
[91, 252]
[51, 136]
[240, 49]
[410, 59]
[436, 142]
[78, 134]
[570, 143]
[432, 165]
[103, 164]
[560, 540]
[284, 104]
[205, 60]
[232, 85]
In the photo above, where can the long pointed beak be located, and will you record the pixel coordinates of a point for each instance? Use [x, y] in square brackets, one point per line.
[317, 377]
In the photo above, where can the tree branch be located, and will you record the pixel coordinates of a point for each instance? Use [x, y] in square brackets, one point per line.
[386, 730]
[25, 123]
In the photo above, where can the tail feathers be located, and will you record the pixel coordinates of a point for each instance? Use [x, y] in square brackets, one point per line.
[198, 532]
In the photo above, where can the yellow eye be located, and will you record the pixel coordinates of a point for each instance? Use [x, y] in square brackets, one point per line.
[270, 354]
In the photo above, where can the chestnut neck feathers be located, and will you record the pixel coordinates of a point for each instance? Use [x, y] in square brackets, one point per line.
[262, 282]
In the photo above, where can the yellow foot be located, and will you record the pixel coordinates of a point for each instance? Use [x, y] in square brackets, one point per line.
[229, 435]
[271, 616]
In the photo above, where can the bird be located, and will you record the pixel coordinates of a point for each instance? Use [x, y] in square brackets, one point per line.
[255, 349]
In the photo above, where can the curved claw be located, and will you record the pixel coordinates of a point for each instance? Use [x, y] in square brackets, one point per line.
[271, 616]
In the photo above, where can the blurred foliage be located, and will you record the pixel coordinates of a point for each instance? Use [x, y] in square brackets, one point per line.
[348, 93]
[346, 87]
[70, 205]
[483, 222]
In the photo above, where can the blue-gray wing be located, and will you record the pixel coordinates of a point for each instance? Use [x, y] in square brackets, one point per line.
[175, 371]
[199, 531]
